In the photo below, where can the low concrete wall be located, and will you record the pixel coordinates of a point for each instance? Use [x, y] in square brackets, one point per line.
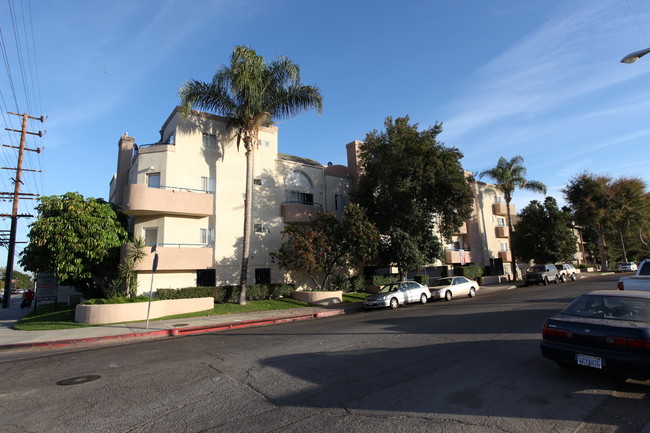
[319, 298]
[116, 313]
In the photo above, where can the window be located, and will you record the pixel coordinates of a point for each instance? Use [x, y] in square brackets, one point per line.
[171, 139]
[263, 143]
[298, 178]
[501, 222]
[206, 237]
[151, 236]
[340, 202]
[153, 180]
[299, 197]
[263, 276]
[261, 228]
[503, 246]
[208, 184]
[209, 141]
[257, 181]
[206, 278]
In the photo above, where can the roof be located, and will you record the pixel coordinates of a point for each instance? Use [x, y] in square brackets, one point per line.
[300, 160]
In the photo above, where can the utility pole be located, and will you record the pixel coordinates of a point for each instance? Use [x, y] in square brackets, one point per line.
[16, 194]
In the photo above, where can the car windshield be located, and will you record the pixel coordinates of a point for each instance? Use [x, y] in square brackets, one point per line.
[539, 268]
[610, 307]
[389, 288]
[442, 282]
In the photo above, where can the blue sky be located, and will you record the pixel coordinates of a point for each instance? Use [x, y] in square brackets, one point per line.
[536, 78]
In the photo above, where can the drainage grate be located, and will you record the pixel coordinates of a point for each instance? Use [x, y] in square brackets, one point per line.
[77, 380]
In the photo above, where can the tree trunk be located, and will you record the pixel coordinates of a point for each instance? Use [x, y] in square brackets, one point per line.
[512, 253]
[601, 247]
[623, 246]
[248, 207]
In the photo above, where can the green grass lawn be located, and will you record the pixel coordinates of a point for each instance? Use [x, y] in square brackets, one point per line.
[46, 318]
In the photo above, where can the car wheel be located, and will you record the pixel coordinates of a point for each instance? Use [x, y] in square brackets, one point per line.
[448, 295]
[573, 277]
[423, 299]
[562, 279]
[472, 292]
[545, 281]
[393, 303]
[556, 280]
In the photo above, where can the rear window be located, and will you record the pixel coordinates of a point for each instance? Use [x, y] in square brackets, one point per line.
[610, 307]
[539, 268]
[645, 269]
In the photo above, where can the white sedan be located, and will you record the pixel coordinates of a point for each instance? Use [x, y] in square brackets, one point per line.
[448, 287]
[395, 294]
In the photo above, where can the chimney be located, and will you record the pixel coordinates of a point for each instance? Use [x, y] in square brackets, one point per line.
[124, 157]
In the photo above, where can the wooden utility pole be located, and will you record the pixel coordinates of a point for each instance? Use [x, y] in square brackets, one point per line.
[16, 195]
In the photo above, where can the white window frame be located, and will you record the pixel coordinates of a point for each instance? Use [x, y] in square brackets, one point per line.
[208, 184]
[206, 236]
[151, 176]
[261, 228]
[209, 141]
[147, 235]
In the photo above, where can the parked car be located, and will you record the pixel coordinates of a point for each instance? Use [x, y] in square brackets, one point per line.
[626, 267]
[606, 330]
[566, 271]
[541, 274]
[395, 294]
[449, 287]
[639, 281]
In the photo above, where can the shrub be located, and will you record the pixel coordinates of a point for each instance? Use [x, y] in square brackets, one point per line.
[229, 294]
[380, 280]
[472, 272]
[357, 283]
[116, 300]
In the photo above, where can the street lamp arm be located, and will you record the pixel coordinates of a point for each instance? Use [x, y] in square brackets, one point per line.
[633, 57]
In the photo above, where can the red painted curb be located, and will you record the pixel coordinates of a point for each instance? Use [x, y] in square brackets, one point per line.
[176, 331]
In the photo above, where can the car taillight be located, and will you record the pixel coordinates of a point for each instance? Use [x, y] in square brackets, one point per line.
[635, 343]
[620, 285]
[556, 332]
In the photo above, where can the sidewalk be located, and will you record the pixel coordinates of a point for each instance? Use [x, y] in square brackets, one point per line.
[11, 339]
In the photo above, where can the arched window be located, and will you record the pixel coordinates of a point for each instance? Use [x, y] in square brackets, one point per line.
[298, 178]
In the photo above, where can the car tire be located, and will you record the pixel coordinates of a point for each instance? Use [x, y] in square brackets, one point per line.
[545, 281]
[423, 298]
[573, 277]
[472, 292]
[556, 280]
[448, 295]
[562, 279]
[393, 303]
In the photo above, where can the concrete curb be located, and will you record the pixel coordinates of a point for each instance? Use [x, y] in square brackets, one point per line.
[190, 330]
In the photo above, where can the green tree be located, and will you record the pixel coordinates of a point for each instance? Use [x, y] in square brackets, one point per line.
[414, 190]
[23, 281]
[77, 239]
[542, 235]
[589, 196]
[327, 245]
[251, 94]
[629, 207]
[509, 176]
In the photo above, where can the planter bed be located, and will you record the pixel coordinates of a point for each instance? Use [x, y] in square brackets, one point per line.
[318, 297]
[129, 312]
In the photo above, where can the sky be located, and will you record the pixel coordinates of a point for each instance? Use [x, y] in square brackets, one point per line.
[536, 78]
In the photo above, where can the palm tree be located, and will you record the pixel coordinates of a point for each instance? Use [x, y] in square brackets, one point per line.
[251, 94]
[509, 176]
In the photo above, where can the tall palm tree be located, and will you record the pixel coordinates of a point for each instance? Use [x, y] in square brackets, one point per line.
[251, 94]
[509, 176]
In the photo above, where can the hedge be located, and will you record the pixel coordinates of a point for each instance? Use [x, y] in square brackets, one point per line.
[229, 294]
[472, 272]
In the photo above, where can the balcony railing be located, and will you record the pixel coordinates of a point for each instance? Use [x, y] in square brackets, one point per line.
[458, 257]
[502, 231]
[298, 212]
[139, 199]
[177, 257]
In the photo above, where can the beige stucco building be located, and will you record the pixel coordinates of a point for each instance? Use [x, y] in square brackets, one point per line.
[185, 193]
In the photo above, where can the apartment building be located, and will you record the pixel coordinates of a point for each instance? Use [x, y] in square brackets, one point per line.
[185, 193]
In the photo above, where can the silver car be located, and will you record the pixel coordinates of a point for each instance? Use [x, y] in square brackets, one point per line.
[395, 294]
[449, 287]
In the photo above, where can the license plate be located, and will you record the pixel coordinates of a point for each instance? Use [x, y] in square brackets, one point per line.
[589, 361]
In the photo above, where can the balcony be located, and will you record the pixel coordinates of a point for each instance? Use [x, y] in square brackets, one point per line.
[177, 257]
[295, 212]
[139, 199]
[462, 230]
[506, 256]
[502, 209]
[502, 231]
[458, 257]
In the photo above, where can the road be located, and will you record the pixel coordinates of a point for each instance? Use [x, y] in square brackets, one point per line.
[469, 365]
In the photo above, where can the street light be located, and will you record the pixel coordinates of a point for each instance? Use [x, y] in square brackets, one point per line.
[633, 57]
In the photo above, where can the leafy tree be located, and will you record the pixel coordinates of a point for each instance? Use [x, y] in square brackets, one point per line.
[127, 281]
[630, 207]
[508, 176]
[589, 196]
[412, 187]
[77, 239]
[251, 94]
[23, 281]
[326, 244]
[542, 235]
